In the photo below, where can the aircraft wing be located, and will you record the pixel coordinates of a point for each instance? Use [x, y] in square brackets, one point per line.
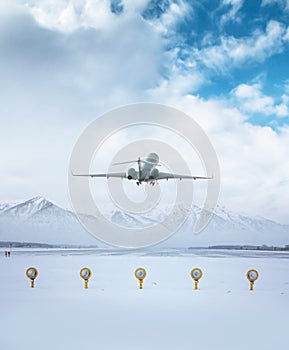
[166, 176]
[108, 175]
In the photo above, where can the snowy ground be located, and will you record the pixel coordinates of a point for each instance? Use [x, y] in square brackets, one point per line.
[168, 313]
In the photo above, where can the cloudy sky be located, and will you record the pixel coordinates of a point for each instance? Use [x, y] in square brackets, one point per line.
[225, 63]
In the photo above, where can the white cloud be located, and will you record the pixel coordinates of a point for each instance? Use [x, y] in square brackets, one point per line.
[231, 15]
[118, 61]
[198, 65]
[176, 12]
[282, 110]
[233, 52]
[253, 159]
[69, 15]
[251, 99]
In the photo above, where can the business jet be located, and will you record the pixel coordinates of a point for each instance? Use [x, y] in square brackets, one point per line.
[147, 172]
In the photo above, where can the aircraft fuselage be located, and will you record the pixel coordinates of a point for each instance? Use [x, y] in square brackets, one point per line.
[147, 171]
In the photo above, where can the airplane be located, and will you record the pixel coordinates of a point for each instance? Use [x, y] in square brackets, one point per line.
[147, 172]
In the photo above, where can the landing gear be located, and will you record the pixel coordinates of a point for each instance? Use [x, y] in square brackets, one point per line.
[153, 182]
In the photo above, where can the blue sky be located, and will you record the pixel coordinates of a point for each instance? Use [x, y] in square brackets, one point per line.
[225, 63]
[234, 43]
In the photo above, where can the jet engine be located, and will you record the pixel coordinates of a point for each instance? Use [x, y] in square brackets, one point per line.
[154, 174]
[132, 174]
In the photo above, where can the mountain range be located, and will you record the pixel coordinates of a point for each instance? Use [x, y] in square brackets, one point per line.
[37, 220]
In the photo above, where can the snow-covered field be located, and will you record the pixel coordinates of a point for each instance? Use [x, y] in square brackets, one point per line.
[167, 314]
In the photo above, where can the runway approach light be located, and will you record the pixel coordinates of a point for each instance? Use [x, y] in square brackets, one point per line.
[140, 273]
[196, 275]
[85, 274]
[252, 276]
[32, 273]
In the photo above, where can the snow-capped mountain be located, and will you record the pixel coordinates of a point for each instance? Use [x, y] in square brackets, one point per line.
[225, 227]
[25, 209]
[41, 221]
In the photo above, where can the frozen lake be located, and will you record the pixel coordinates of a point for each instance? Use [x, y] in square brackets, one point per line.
[167, 314]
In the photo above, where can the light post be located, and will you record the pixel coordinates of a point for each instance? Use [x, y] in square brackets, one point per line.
[32, 273]
[196, 275]
[252, 276]
[85, 274]
[140, 273]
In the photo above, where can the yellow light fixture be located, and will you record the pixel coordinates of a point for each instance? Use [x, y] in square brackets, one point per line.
[140, 273]
[32, 273]
[196, 275]
[252, 276]
[85, 274]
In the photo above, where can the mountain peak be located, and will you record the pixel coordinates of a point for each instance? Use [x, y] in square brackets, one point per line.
[39, 200]
[26, 208]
